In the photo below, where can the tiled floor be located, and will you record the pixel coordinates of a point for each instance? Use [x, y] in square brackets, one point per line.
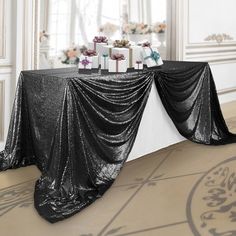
[186, 189]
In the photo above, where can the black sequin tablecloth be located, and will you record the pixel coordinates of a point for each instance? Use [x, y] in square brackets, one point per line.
[79, 129]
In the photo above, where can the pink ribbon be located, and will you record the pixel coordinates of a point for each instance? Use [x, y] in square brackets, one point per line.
[99, 39]
[118, 57]
[90, 53]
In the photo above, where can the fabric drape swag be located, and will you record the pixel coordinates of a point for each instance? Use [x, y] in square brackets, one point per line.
[79, 129]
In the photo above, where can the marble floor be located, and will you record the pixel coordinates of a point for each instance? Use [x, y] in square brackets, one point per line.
[186, 189]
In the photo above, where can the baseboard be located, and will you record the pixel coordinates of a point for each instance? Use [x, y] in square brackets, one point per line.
[227, 95]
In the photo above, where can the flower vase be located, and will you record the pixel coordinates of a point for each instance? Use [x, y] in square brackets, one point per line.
[162, 39]
[139, 37]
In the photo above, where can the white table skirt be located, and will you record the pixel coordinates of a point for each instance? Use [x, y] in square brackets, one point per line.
[156, 129]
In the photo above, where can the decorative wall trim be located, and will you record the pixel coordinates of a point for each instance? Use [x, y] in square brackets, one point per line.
[2, 110]
[219, 38]
[210, 51]
[2, 30]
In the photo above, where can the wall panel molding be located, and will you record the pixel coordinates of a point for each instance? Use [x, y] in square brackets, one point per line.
[2, 110]
[2, 30]
[209, 51]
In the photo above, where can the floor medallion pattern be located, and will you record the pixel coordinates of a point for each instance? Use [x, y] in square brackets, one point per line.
[211, 207]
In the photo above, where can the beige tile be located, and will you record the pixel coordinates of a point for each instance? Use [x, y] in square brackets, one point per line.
[16, 176]
[178, 229]
[156, 204]
[26, 220]
[228, 109]
[194, 158]
[137, 171]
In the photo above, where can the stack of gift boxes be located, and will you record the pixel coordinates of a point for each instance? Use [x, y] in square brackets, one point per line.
[119, 56]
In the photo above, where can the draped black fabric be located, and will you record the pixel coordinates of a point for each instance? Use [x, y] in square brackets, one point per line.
[79, 129]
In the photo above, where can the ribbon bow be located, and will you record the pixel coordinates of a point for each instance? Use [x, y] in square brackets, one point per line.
[146, 44]
[90, 53]
[121, 43]
[104, 55]
[85, 62]
[154, 56]
[100, 39]
[117, 57]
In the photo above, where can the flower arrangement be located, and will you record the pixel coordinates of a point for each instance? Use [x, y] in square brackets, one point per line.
[159, 27]
[108, 28]
[136, 28]
[71, 55]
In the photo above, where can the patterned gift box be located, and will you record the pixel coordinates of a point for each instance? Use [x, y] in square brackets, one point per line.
[117, 63]
[152, 57]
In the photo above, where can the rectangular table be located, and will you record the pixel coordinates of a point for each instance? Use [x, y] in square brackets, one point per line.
[79, 129]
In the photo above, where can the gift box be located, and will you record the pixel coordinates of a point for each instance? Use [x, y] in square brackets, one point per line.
[85, 62]
[93, 56]
[117, 63]
[106, 49]
[104, 61]
[132, 53]
[138, 65]
[97, 44]
[152, 57]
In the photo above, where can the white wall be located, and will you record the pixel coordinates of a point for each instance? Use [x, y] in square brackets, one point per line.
[6, 66]
[194, 21]
[16, 44]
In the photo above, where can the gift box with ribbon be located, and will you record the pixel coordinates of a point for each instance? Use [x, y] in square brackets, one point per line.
[132, 53]
[97, 44]
[152, 57]
[107, 49]
[85, 62]
[104, 61]
[117, 63]
[93, 56]
[138, 65]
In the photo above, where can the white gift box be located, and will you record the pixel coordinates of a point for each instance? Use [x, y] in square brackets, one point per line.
[96, 46]
[132, 54]
[125, 52]
[138, 66]
[117, 66]
[136, 54]
[83, 65]
[104, 62]
[106, 49]
[94, 60]
[152, 57]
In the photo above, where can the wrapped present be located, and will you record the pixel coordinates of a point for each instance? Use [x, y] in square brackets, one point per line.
[132, 53]
[97, 44]
[152, 57]
[138, 65]
[107, 49]
[94, 57]
[104, 61]
[117, 63]
[85, 62]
